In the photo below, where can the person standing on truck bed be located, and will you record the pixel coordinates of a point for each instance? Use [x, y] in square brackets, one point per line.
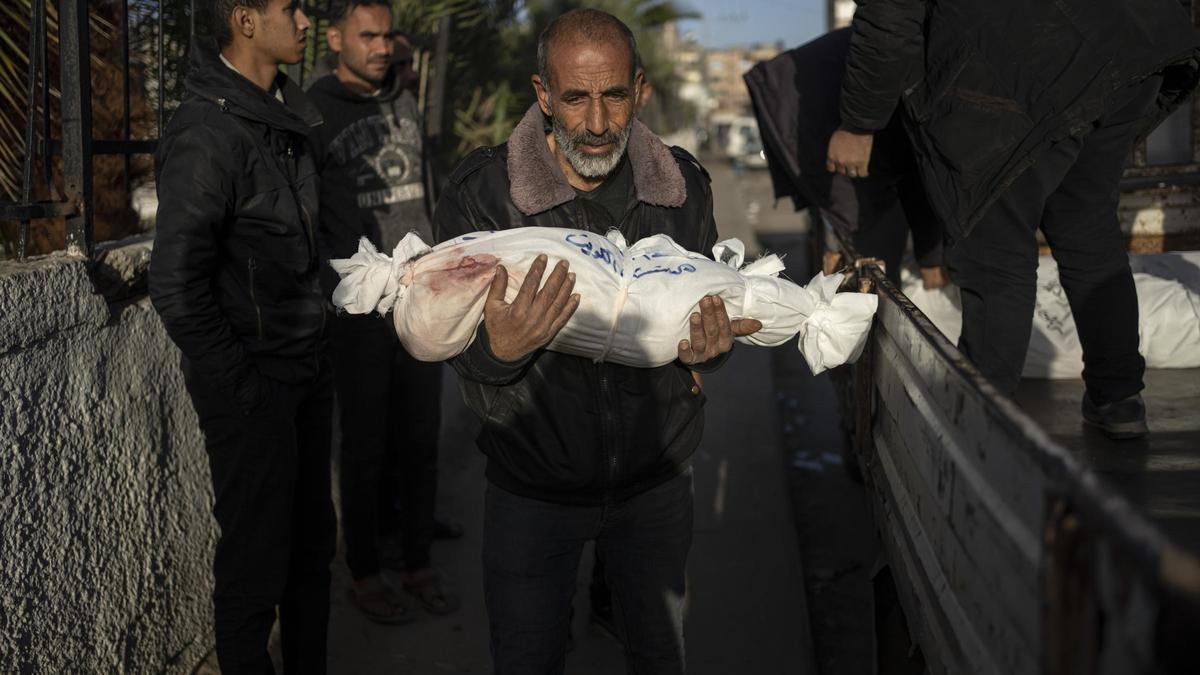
[1023, 116]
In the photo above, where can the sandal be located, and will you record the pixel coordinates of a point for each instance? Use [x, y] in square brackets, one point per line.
[381, 605]
[427, 588]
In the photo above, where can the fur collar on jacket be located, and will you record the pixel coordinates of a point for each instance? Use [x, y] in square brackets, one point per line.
[538, 183]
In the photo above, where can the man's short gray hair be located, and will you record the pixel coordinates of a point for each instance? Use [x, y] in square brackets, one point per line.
[591, 25]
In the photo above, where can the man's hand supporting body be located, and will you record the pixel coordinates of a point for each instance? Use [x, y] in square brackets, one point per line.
[530, 322]
[533, 319]
[712, 334]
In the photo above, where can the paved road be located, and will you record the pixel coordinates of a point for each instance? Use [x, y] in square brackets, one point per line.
[744, 205]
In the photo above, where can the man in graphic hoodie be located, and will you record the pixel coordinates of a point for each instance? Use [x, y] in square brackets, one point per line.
[373, 186]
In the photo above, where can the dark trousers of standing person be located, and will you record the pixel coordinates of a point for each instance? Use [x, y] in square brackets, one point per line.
[531, 555]
[271, 490]
[390, 417]
[1072, 193]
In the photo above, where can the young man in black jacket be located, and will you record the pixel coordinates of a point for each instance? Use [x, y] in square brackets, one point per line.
[234, 277]
[373, 185]
[1023, 115]
[579, 450]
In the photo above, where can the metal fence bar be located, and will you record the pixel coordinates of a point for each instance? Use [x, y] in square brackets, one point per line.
[74, 46]
[103, 146]
[125, 126]
[162, 84]
[1130, 183]
[47, 167]
[36, 34]
[10, 211]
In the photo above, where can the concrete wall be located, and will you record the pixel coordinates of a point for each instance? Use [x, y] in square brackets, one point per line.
[105, 529]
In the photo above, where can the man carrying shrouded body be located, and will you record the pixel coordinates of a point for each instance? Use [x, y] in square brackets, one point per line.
[579, 450]
[234, 277]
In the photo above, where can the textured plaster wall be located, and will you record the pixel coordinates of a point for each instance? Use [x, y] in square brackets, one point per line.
[105, 532]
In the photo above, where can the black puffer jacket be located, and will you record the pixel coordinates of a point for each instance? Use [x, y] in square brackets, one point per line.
[999, 81]
[234, 274]
[557, 427]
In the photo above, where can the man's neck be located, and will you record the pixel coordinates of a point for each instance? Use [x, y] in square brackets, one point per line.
[573, 178]
[353, 82]
[252, 66]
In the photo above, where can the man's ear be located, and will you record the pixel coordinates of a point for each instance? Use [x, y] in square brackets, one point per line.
[639, 84]
[333, 35]
[543, 94]
[242, 21]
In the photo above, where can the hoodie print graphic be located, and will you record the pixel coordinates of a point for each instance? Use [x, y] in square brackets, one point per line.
[384, 154]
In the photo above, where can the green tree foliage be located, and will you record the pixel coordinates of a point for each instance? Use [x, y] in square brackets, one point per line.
[491, 57]
[647, 19]
[493, 54]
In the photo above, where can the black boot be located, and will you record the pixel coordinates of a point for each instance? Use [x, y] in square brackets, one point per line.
[1118, 420]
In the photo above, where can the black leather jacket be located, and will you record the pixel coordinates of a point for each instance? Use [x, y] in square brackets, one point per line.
[234, 274]
[558, 427]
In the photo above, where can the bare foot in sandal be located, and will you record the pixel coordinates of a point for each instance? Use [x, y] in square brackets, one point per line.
[379, 602]
[428, 588]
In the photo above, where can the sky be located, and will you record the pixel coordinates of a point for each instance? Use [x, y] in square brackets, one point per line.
[729, 23]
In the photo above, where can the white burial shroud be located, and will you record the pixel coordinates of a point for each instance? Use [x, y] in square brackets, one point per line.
[634, 300]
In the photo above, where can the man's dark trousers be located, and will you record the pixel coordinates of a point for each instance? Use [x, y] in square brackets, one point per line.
[531, 552]
[1072, 193]
[271, 488]
[390, 417]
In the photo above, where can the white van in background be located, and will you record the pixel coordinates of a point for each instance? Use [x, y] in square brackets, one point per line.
[736, 138]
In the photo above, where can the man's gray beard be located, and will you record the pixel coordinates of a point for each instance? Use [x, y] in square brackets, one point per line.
[586, 165]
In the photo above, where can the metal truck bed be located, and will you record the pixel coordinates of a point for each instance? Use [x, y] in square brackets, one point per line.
[1012, 548]
[1159, 475]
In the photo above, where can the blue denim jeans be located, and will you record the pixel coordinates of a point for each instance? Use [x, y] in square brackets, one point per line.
[531, 553]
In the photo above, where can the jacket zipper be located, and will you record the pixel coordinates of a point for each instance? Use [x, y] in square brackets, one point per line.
[305, 221]
[309, 230]
[606, 426]
[252, 265]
